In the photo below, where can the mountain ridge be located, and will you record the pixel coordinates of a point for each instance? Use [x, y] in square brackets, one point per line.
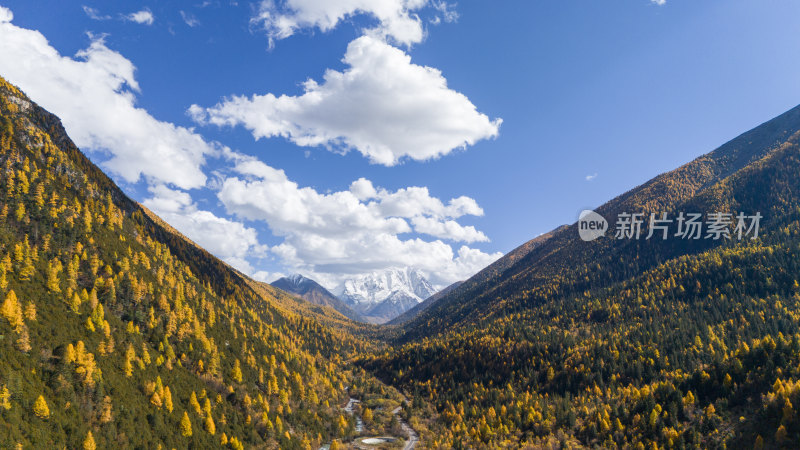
[313, 292]
[629, 343]
[128, 327]
[660, 194]
[381, 296]
[425, 304]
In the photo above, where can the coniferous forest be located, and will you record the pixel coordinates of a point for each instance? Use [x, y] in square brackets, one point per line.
[118, 332]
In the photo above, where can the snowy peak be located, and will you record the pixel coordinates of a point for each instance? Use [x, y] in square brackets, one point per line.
[389, 292]
[298, 281]
[313, 292]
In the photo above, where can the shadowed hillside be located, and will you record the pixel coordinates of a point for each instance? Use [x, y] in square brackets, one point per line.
[630, 343]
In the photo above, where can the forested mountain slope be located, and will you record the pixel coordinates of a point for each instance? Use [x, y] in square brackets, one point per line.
[631, 343]
[414, 312]
[118, 331]
[560, 262]
[485, 277]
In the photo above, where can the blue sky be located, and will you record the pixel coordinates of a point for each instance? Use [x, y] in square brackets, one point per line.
[524, 112]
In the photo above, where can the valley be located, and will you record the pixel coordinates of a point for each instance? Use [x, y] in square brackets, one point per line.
[399, 224]
[117, 331]
[123, 333]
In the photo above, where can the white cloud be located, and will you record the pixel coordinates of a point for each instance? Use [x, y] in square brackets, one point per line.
[94, 14]
[591, 176]
[94, 94]
[144, 17]
[267, 277]
[397, 19]
[383, 106]
[415, 201]
[190, 19]
[448, 229]
[468, 262]
[659, 2]
[363, 189]
[229, 240]
[328, 236]
[448, 13]
[359, 230]
[267, 194]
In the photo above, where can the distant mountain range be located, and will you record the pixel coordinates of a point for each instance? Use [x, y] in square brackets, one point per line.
[313, 292]
[394, 295]
[384, 295]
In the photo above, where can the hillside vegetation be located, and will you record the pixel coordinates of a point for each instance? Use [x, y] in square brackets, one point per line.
[629, 343]
[116, 331]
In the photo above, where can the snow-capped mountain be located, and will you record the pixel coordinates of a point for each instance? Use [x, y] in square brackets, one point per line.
[313, 292]
[386, 294]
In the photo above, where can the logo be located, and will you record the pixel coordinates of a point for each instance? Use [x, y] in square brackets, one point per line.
[591, 225]
[686, 226]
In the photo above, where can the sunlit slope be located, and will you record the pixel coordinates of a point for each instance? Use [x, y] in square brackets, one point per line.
[562, 264]
[118, 330]
[631, 343]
